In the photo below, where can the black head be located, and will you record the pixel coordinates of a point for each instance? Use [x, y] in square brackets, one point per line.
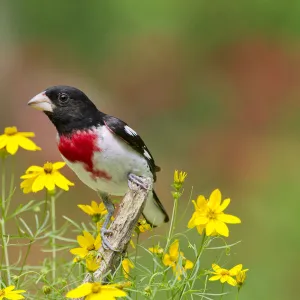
[68, 108]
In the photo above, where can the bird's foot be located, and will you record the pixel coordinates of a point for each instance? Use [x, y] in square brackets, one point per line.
[139, 180]
[105, 243]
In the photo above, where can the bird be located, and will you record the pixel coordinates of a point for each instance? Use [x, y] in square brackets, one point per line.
[104, 152]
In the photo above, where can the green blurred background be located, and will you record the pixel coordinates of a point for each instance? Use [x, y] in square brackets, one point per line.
[211, 86]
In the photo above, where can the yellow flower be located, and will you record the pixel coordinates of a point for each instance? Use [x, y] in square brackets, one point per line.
[92, 264]
[171, 259]
[96, 291]
[156, 250]
[209, 215]
[179, 178]
[225, 275]
[87, 243]
[94, 210]
[37, 178]
[143, 226]
[12, 139]
[241, 277]
[8, 293]
[127, 265]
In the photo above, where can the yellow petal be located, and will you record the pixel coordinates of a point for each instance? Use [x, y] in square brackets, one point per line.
[188, 264]
[3, 141]
[97, 242]
[39, 183]
[233, 271]
[34, 169]
[200, 228]
[215, 199]
[231, 281]
[94, 206]
[214, 278]
[173, 250]
[223, 206]
[210, 227]
[111, 291]
[12, 146]
[81, 291]
[82, 241]
[224, 278]
[9, 288]
[167, 261]
[221, 228]
[89, 238]
[12, 295]
[86, 208]
[92, 265]
[201, 203]
[216, 268]
[102, 209]
[200, 219]
[191, 223]
[58, 165]
[26, 134]
[26, 143]
[80, 252]
[49, 182]
[61, 181]
[228, 219]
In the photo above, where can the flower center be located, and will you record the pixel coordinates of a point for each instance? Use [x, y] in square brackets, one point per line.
[10, 130]
[91, 248]
[225, 272]
[48, 168]
[2, 293]
[96, 288]
[211, 214]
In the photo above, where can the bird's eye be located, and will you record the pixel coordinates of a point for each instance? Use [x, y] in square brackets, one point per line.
[63, 97]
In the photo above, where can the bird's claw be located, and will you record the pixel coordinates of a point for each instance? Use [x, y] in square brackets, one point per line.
[105, 243]
[132, 178]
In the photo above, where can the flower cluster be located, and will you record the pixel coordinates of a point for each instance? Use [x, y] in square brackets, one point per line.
[87, 250]
[208, 217]
[176, 260]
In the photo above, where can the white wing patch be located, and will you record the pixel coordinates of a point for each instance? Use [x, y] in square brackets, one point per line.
[146, 153]
[130, 131]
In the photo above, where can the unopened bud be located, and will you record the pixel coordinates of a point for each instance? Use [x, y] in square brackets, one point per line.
[46, 289]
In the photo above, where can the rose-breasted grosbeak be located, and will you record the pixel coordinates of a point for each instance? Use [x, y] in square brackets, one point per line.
[102, 150]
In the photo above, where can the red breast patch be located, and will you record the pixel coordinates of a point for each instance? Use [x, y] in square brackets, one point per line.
[80, 147]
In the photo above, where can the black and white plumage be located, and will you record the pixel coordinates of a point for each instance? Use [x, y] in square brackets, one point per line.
[102, 150]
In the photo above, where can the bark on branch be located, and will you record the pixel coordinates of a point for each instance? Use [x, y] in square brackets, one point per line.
[128, 214]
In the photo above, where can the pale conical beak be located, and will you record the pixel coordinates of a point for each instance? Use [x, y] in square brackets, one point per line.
[41, 102]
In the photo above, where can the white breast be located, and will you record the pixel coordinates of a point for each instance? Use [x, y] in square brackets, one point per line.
[117, 159]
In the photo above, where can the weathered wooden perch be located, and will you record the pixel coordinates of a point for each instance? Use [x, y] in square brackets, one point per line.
[128, 214]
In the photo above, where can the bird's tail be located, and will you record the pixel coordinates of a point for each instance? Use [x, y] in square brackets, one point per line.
[154, 212]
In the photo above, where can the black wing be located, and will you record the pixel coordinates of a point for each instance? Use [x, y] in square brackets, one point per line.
[125, 132]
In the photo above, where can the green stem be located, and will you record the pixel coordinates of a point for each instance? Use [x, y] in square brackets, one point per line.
[45, 206]
[11, 186]
[25, 258]
[192, 271]
[53, 223]
[135, 260]
[222, 291]
[173, 220]
[3, 233]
